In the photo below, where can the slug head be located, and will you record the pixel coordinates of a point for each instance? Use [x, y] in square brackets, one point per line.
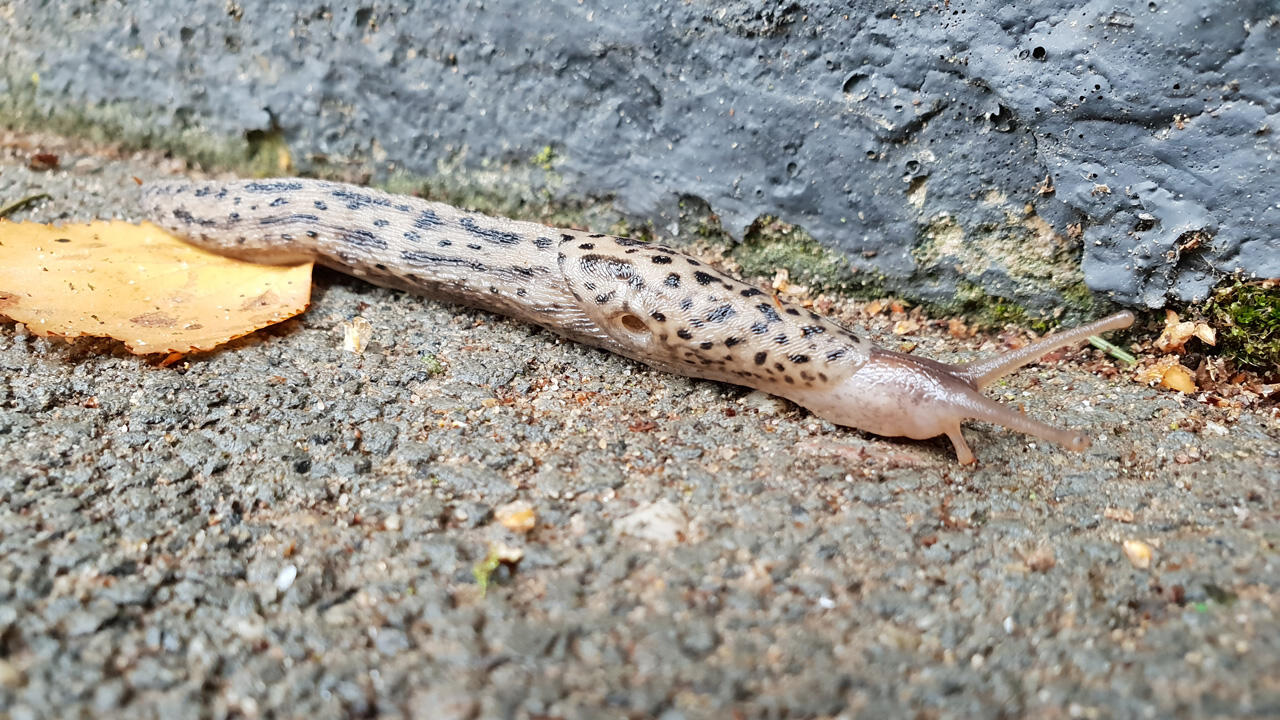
[903, 395]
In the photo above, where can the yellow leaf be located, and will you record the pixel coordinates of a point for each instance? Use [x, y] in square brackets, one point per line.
[140, 285]
[1168, 373]
[906, 327]
[1177, 332]
[1177, 377]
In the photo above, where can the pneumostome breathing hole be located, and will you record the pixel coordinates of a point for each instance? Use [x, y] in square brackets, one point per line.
[632, 323]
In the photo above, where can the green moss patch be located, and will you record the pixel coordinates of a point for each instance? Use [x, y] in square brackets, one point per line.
[545, 158]
[1023, 246]
[1247, 318]
[770, 244]
[130, 126]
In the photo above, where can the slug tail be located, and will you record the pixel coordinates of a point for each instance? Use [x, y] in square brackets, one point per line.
[982, 373]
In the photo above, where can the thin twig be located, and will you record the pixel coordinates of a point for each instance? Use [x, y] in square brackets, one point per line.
[1112, 350]
[14, 207]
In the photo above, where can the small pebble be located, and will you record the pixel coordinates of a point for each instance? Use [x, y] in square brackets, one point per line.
[658, 522]
[1138, 552]
[517, 516]
[287, 575]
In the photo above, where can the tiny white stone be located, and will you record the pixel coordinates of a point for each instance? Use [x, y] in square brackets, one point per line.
[764, 403]
[287, 575]
[658, 522]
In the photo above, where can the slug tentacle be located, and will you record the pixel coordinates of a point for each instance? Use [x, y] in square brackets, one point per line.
[984, 372]
[642, 300]
[983, 408]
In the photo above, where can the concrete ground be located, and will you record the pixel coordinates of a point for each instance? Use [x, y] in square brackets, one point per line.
[287, 529]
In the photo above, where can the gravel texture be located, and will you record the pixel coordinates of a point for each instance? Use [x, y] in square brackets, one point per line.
[286, 529]
[912, 138]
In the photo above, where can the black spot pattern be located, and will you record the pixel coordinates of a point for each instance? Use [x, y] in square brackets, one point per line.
[720, 314]
[427, 220]
[363, 238]
[357, 200]
[272, 187]
[500, 237]
[186, 217]
[612, 267]
[425, 259]
[295, 218]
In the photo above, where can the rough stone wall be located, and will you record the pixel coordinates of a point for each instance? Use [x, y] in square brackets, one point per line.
[942, 147]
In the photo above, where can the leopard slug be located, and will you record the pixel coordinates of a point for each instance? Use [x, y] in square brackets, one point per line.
[637, 299]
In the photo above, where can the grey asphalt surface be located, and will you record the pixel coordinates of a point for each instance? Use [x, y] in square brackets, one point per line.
[287, 529]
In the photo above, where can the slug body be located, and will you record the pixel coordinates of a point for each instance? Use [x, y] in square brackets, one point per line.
[641, 300]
